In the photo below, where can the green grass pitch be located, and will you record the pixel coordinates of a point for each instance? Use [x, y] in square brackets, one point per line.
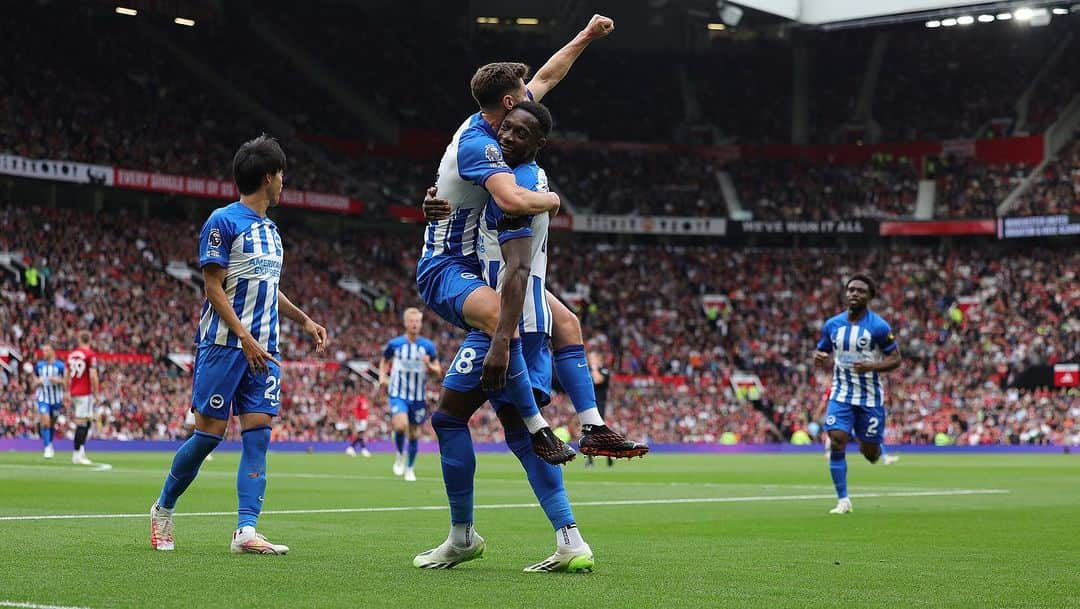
[668, 531]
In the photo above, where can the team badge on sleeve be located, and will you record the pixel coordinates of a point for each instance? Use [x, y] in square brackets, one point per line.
[214, 239]
[494, 155]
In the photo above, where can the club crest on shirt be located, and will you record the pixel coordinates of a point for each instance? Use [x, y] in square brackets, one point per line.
[864, 342]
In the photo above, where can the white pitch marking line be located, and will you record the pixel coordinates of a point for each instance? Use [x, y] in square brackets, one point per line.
[34, 605]
[510, 506]
[591, 482]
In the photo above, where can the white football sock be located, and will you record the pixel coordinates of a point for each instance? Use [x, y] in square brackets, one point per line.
[590, 417]
[461, 535]
[535, 423]
[568, 537]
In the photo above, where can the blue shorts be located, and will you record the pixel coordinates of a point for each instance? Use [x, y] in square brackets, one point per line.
[416, 409]
[223, 384]
[465, 370]
[444, 284]
[867, 423]
[49, 409]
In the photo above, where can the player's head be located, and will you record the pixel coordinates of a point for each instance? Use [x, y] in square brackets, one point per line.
[48, 352]
[84, 338]
[498, 87]
[260, 164]
[413, 319]
[524, 131]
[859, 290]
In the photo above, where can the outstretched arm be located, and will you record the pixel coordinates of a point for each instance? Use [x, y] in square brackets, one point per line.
[518, 201]
[556, 68]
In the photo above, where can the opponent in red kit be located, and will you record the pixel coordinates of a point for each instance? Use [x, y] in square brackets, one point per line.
[360, 414]
[83, 386]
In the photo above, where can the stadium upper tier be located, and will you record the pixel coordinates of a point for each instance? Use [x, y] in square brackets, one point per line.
[969, 321]
[179, 100]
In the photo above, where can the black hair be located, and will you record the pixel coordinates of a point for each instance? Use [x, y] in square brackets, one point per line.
[254, 160]
[863, 278]
[542, 114]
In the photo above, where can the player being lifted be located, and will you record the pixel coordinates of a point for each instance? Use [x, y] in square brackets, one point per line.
[409, 359]
[513, 250]
[236, 365]
[83, 387]
[448, 275]
[862, 347]
[49, 382]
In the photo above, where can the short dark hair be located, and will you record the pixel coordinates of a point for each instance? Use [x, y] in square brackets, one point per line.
[254, 160]
[865, 279]
[492, 81]
[542, 114]
[84, 336]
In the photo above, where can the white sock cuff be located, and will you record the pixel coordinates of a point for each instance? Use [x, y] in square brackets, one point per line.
[535, 423]
[590, 417]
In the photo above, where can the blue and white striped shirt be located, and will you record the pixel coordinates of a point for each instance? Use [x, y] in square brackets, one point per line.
[472, 157]
[408, 373]
[50, 392]
[868, 339]
[249, 247]
[536, 313]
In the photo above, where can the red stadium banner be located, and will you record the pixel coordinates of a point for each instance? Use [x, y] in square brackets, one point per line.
[939, 228]
[219, 189]
[1067, 375]
[123, 358]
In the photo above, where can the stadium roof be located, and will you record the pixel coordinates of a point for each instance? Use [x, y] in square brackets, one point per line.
[820, 12]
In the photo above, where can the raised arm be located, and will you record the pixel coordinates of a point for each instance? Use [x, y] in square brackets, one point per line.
[518, 201]
[555, 69]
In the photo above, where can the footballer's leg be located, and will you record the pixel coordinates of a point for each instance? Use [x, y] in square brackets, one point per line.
[480, 310]
[417, 416]
[399, 420]
[869, 428]
[217, 375]
[258, 399]
[451, 425]
[838, 423]
[575, 376]
[46, 427]
[572, 554]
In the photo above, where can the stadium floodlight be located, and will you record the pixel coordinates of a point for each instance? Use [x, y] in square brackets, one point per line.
[1061, 10]
[1023, 14]
[123, 10]
[1004, 16]
[184, 21]
[527, 21]
[933, 24]
[986, 18]
[948, 22]
[487, 20]
[716, 27]
[965, 20]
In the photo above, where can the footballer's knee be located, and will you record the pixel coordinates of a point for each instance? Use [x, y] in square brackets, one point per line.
[481, 310]
[838, 440]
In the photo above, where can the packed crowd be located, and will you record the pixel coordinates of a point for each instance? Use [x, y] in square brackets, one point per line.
[1056, 190]
[795, 189]
[968, 321]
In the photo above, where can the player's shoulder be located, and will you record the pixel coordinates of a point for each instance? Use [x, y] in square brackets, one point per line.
[876, 320]
[395, 341]
[527, 175]
[477, 132]
[838, 319]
